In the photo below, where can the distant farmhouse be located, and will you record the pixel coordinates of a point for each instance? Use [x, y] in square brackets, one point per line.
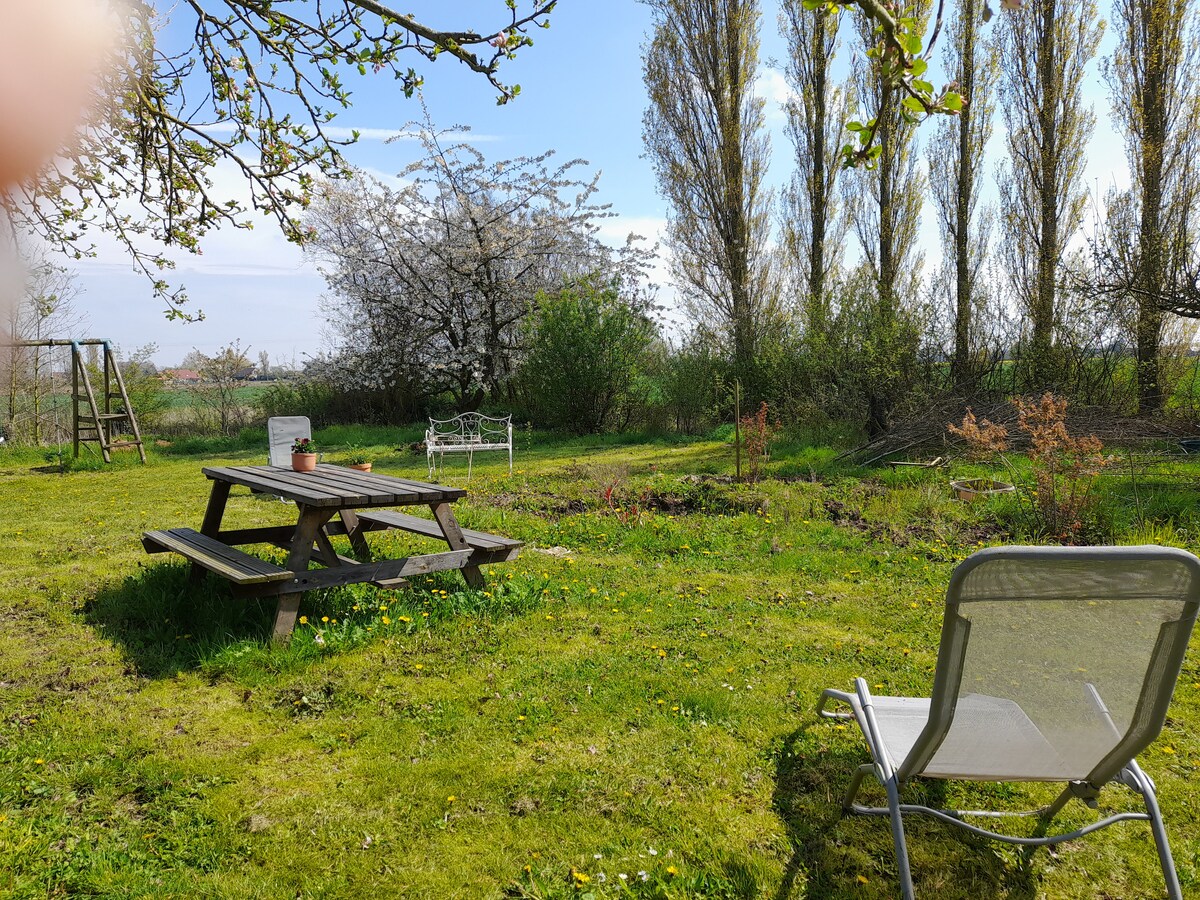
[181, 376]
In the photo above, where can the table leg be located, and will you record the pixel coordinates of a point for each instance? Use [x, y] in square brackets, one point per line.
[213, 514]
[358, 540]
[452, 531]
[312, 520]
[325, 551]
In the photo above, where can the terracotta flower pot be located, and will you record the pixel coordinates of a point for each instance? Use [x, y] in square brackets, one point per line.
[362, 467]
[970, 489]
[304, 462]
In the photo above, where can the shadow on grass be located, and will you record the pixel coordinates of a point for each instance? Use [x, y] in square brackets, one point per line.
[166, 624]
[832, 853]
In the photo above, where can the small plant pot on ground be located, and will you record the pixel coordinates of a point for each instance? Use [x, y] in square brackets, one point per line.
[970, 489]
[304, 462]
[361, 467]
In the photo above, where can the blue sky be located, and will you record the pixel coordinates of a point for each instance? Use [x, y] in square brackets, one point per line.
[582, 96]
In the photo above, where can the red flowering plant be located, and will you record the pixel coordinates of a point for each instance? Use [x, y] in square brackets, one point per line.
[304, 445]
[756, 432]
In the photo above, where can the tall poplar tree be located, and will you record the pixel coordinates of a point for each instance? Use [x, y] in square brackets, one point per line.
[955, 163]
[1046, 50]
[886, 214]
[814, 217]
[1155, 103]
[704, 133]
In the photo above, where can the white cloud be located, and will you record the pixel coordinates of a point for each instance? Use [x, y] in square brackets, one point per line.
[772, 86]
[617, 229]
[345, 133]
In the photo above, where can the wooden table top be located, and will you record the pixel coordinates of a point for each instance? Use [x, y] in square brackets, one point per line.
[335, 486]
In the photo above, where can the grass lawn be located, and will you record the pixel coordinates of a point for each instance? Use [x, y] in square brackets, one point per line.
[632, 719]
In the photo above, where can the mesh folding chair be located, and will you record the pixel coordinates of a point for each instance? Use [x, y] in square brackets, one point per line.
[282, 432]
[1055, 664]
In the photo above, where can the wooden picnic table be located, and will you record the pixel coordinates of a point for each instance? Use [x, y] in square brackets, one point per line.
[332, 500]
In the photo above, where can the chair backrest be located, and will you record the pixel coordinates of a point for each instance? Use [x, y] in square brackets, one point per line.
[489, 429]
[1086, 641]
[282, 431]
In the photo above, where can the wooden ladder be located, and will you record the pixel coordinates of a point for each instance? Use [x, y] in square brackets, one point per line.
[96, 423]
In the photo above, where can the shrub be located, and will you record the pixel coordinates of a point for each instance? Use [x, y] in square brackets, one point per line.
[756, 434]
[1058, 502]
[587, 351]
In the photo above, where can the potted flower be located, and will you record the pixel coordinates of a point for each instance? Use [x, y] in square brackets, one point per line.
[357, 458]
[304, 455]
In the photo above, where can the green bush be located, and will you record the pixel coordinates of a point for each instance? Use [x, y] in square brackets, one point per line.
[588, 352]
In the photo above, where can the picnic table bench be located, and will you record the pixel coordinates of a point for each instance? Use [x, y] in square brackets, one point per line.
[358, 501]
[467, 433]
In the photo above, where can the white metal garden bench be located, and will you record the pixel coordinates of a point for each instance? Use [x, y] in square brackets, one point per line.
[467, 433]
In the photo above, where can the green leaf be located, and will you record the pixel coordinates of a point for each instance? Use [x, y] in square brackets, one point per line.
[923, 86]
[953, 101]
[854, 126]
[913, 104]
[918, 67]
[911, 43]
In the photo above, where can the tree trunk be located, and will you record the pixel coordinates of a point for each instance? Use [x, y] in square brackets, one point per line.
[1042, 368]
[879, 394]
[818, 187]
[960, 366]
[1151, 256]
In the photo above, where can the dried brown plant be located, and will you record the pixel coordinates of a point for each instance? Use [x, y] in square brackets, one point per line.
[1064, 465]
[984, 439]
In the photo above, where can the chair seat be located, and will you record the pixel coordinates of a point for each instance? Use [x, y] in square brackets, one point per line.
[991, 740]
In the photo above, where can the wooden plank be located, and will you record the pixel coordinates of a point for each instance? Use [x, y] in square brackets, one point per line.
[378, 484]
[314, 481]
[430, 528]
[234, 565]
[452, 532]
[326, 552]
[350, 525]
[310, 524]
[213, 513]
[448, 494]
[268, 481]
[358, 573]
[490, 557]
[268, 534]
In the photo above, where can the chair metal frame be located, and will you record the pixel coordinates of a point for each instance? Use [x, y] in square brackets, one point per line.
[1118, 766]
[466, 433]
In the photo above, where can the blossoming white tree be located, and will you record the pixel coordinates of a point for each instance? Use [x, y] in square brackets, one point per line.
[432, 280]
